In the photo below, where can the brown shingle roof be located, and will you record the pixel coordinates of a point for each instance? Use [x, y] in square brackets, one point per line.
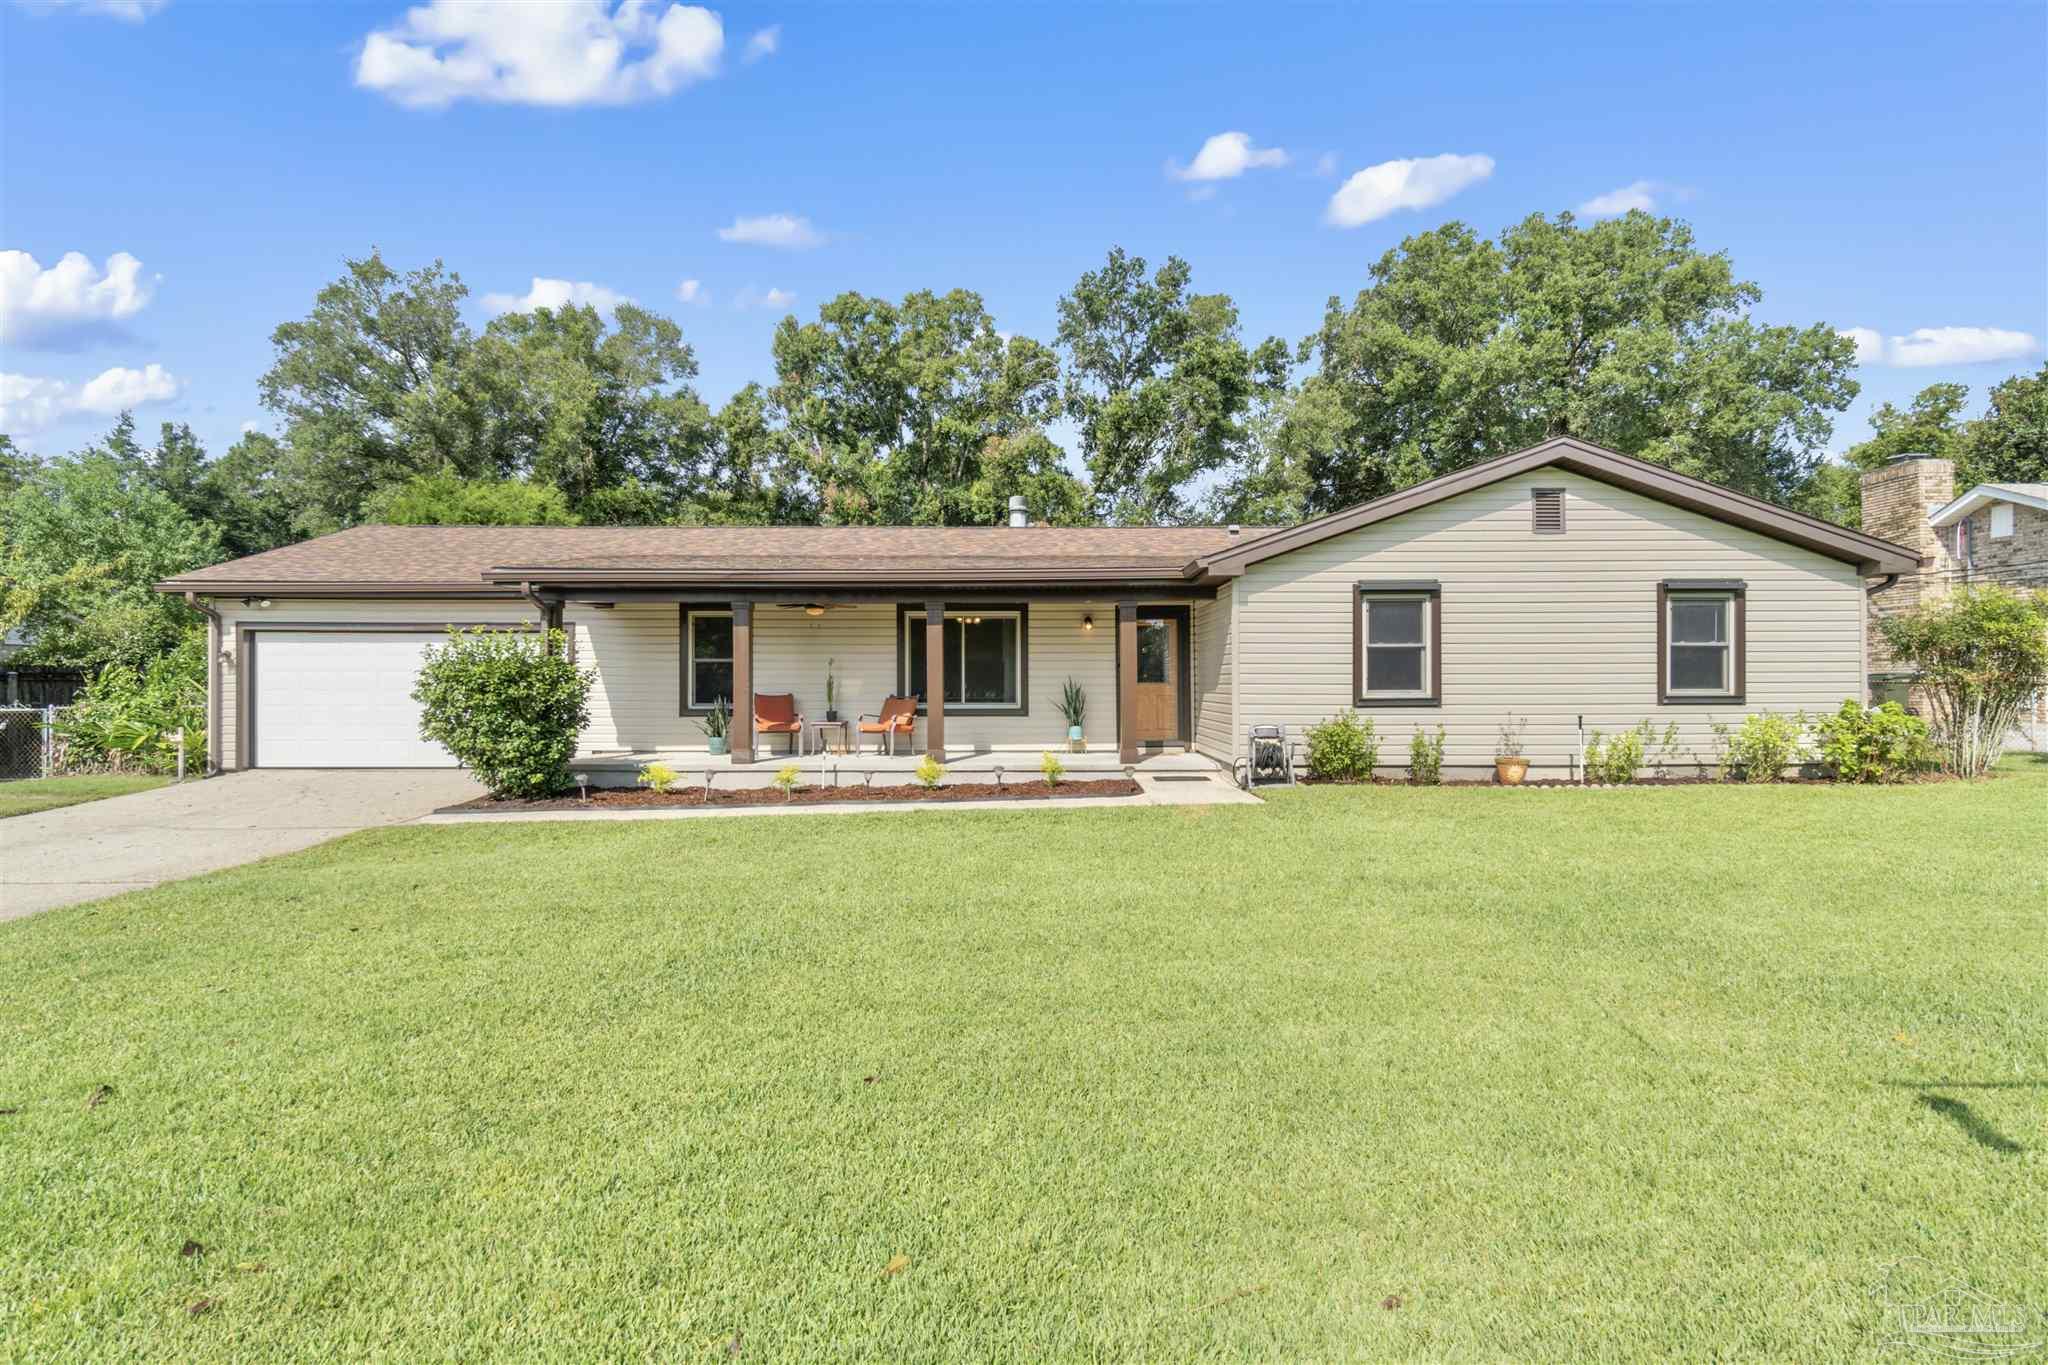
[394, 557]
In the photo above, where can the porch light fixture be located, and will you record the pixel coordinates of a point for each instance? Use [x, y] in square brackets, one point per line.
[262, 602]
[814, 610]
[1087, 623]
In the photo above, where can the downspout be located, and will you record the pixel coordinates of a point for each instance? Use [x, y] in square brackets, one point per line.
[214, 631]
[541, 605]
[1881, 585]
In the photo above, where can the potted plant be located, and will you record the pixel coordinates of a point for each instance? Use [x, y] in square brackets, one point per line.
[1508, 764]
[1074, 706]
[714, 725]
[831, 693]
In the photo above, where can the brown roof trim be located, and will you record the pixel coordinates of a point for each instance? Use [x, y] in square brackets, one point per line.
[1870, 554]
[1051, 574]
[336, 588]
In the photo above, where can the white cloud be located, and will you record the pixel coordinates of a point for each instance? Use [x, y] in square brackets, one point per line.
[692, 291]
[773, 229]
[1926, 346]
[29, 403]
[1226, 156]
[562, 53]
[36, 303]
[547, 293]
[763, 44]
[751, 297]
[134, 11]
[1641, 194]
[1411, 183]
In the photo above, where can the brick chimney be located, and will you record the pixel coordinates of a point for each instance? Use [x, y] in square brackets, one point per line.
[1898, 498]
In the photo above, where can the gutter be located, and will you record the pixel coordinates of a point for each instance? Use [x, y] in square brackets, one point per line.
[215, 632]
[1881, 585]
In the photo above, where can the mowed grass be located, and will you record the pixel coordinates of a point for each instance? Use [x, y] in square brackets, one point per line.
[1360, 1074]
[30, 795]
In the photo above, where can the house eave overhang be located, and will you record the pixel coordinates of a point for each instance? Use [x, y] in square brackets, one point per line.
[1983, 495]
[1871, 555]
[271, 587]
[965, 575]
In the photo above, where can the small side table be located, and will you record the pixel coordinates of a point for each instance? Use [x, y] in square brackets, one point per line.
[820, 728]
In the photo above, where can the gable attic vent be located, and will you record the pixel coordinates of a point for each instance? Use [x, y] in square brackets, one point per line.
[1546, 511]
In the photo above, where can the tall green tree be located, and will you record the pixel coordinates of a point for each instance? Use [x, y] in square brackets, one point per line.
[82, 541]
[1159, 383]
[892, 411]
[2009, 443]
[1623, 333]
[1932, 424]
[446, 499]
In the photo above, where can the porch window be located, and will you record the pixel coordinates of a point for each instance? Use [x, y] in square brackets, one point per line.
[707, 664]
[984, 664]
[1397, 636]
[1701, 639]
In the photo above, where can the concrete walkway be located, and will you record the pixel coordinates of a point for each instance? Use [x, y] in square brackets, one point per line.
[1203, 791]
[102, 848]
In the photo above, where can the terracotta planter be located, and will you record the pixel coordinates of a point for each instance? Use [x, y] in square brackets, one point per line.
[1511, 771]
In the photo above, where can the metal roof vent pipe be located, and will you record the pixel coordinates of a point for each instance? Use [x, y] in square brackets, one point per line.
[1020, 515]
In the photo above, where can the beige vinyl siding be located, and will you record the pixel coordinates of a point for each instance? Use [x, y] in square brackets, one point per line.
[1550, 627]
[366, 612]
[636, 652]
[1212, 677]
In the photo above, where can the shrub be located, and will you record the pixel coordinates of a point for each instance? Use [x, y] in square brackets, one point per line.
[1981, 654]
[1765, 745]
[126, 714]
[1343, 748]
[929, 772]
[1874, 744]
[507, 704]
[1614, 761]
[1512, 734]
[1426, 758]
[659, 776]
[789, 777]
[1049, 764]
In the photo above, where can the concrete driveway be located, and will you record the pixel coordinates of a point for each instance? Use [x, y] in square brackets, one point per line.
[102, 848]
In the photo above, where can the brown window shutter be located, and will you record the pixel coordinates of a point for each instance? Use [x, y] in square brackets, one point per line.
[1546, 511]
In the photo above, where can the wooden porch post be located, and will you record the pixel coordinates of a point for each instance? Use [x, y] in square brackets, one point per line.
[1127, 682]
[935, 679]
[742, 729]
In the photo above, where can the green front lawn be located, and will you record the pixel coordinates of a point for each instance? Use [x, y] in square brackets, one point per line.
[1361, 1074]
[48, 793]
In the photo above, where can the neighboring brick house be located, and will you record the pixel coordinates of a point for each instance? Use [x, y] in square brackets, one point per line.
[1995, 533]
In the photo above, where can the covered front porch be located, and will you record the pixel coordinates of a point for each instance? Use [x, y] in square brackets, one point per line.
[977, 679]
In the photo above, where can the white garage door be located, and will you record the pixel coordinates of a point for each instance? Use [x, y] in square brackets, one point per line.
[341, 699]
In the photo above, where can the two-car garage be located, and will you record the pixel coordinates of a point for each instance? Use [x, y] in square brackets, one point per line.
[337, 699]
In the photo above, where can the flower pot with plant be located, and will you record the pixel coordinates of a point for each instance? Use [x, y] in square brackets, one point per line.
[1508, 763]
[831, 693]
[715, 725]
[1074, 706]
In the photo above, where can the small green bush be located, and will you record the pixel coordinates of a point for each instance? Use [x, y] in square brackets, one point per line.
[929, 772]
[659, 777]
[1426, 758]
[1616, 761]
[1343, 748]
[1766, 744]
[508, 705]
[1874, 744]
[789, 777]
[126, 715]
[1049, 764]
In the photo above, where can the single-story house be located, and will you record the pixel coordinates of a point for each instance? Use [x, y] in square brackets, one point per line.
[1566, 586]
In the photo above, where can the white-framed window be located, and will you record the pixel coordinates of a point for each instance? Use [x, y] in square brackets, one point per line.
[2001, 520]
[707, 658]
[1699, 634]
[984, 660]
[1397, 634]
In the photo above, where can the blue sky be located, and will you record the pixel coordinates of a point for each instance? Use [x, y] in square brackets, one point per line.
[1884, 169]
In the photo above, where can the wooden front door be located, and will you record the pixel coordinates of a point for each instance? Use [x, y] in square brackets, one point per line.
[1159, 681]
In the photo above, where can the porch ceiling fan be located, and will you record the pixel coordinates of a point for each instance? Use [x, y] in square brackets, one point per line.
[812, 608]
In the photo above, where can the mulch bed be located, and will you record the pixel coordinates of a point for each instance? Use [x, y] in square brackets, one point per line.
[1552, 783]
[641, 798]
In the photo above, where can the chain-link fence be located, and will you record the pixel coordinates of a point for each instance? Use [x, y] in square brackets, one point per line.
[28, 741]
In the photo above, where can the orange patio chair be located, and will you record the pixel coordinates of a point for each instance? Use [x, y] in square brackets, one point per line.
[899, 717]
[775, 713]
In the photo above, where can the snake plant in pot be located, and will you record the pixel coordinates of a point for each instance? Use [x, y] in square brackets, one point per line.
[1074, 706]
[715, 725]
